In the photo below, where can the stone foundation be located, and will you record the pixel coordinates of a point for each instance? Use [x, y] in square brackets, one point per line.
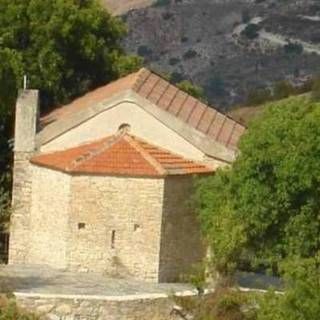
[142, 307]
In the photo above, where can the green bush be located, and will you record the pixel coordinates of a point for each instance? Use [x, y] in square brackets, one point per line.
[266, 206]
[144, 51]
[223, 304]
[191, 89]
[251, 31]
[10, 311]
[190, 54]
[173, 61]
[301, 298]
[293, 48]
[161, 3]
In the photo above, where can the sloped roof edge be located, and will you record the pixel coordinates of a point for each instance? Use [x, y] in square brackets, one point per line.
[193, 136]
[207, 127]
[121, 154]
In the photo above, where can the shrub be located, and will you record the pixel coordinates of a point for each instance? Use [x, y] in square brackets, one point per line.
[184, 39]
[10, 311]
[251, 31]
[223, 304]
[315, 93]
[176, 77]
[191, 89]
[167, 15]
[190, 54]
[144, 51]
[259, 96]
[161, 3]
[293, 48]
[173, 61]
[283, 89]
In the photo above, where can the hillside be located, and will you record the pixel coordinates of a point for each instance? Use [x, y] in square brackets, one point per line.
[245, 115]
[202, 40]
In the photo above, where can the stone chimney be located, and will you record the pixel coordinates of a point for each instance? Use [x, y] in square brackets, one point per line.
[27, 112]
[27, 115]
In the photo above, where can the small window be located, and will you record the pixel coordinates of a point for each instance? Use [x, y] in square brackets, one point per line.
[81, 225]
[113, 239]
[125, 127]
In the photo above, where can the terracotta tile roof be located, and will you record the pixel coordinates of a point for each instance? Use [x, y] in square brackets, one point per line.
[121, 154]
[160, 92]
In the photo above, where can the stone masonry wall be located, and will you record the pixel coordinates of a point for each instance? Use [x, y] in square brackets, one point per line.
[181, 243]
[26, 117]
[82, 308]
[49, 217]
[115, 225]
[21, 204]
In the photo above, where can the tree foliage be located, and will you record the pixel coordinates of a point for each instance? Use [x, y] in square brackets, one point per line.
[266, 207]
[301, 299]
[191, 89]
[64, 46]
[251, 31]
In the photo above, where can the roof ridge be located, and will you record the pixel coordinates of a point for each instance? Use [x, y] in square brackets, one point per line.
[146, 155]
[139, 79]
[94, 153]
[150, 71]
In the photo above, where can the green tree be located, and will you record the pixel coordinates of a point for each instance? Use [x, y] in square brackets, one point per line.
[65, 47]
[293, 48]
[10, 77]
[251, 31]
[266, 207]
[191, 89]
[301, 298]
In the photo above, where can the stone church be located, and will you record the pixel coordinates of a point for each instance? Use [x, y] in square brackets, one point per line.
[103, 184]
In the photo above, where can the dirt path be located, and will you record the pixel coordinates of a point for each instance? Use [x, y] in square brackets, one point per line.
[280, 40]
[277, 39]
[119, 7]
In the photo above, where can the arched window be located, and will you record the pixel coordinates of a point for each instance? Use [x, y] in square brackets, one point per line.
[124, 127]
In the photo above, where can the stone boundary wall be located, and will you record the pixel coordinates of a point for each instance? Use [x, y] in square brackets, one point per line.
[80, 307]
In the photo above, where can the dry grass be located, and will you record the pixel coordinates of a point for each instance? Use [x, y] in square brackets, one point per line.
[223, 304]
[246, 114]
[122, 6]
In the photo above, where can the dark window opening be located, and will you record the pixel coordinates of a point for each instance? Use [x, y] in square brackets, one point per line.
[113, 239]
[125, 127]
[4, 247]
[81, 225]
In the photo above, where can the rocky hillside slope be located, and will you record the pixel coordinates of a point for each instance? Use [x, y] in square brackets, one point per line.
[203, 41]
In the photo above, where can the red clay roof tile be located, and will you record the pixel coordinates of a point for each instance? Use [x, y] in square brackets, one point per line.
[166, 96]
[120, 155]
